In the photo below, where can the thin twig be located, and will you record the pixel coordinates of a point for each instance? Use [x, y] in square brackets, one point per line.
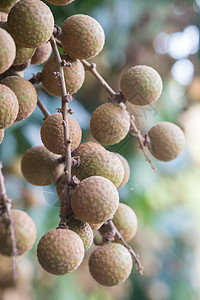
[67, 142]
[43, 108]
[5, 206]
[135, 256]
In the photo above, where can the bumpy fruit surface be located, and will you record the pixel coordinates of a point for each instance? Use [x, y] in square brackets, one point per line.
[74, 77]
[60, 2]
[83, 229]
[41, 54]
[110, 264]
[40, 167]
[22, 55]
[25, 232]
[83, 37]
[7, 4]
[7, 50]
[96, 226]
[60, 251]
[9, 106]
[110, 124]
[31, 23]
[52, 133]
[167, 141]
[141, 85]
[126, 170]
[101, 163]
[1, 135]
[95, 200]
[125, 221]
[26, 95]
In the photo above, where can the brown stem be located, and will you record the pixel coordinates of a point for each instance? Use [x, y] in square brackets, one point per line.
[43, 108]
[136, 132]
[67, 142]
[5, 206]
[135, 256]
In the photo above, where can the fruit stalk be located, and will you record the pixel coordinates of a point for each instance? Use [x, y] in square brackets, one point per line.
[67, 142]
[135, 256]
[5, 206]
[43, 108]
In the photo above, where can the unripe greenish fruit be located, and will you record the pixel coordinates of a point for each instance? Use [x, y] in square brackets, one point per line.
[3, 16]
[95, 200]
[82, 37]
[31, 23]
[7, 4]
[26, 95]
[7, 50]
[1, 135]
[9, 106]
[126, 170]
[141, 85]
[167, 141]
[125, 221]
[98, 239]
[60, 2]
[83, 229]
[110, 123]
[110, 264]
[60, 251]
[52, 133]
[40, 167]
[22, 55]
[99, 162]
[25, 233]
[41, 54]
[74, 77]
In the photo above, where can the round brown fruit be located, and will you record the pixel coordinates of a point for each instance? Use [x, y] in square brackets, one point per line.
[40, 166]
[7, 50]
[22, 55]
[99, 162]
[110, 264]
[26, 95]
[41, 54]
[31, 23]
[96, 226]
[60, 2]
[126, 170]
[1, 135]
[95, 200]
[83, 229]
[141, 85]
[9, 106]
[60, 251]
[74, 77]
[25, 233]
[125, 221]
[167, 141]
[91, 37]
[110, 123]
[52, 133]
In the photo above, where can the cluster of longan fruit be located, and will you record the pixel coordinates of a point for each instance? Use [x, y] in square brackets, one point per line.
[93, 197]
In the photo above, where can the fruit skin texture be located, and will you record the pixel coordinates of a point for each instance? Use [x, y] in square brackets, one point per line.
[74, 77]
[99, 162]
[83, 229]
[39, 166]
[125, 221]
[7, 50]
[9, 106]
[141, 85]
[26, 95]
[126, 170]
[31, 23]
[110, 123]
[95, 200]
[41, 54]
[60, 2]
[1, 135]
[83, 37]
[25, 232]
[60, 251]
[167, 141]
[110, 264]
[52, 133]
[22, 55]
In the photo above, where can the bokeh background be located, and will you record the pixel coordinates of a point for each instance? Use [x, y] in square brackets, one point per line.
[165, 35]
